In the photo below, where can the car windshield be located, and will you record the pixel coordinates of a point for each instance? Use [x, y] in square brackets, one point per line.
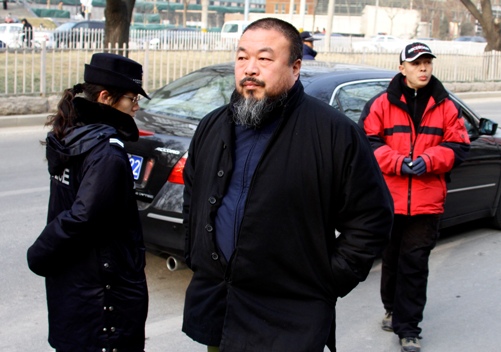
[66, 26]
[192, 96]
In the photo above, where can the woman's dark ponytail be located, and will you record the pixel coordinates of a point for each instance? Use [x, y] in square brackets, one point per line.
[65, 116]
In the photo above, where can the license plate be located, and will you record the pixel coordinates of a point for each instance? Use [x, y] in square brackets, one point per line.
[135, 163]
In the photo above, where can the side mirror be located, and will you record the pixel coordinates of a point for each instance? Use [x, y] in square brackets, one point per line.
[487, 127]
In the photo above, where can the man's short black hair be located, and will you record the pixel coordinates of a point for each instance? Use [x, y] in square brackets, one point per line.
[288, 30]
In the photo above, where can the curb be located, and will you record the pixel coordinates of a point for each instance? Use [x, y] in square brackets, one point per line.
[23, 120]
[478, 95]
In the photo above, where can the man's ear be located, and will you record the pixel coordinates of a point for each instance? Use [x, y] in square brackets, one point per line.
[296, 67]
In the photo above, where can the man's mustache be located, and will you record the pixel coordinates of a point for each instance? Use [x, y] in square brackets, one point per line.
[253, 80]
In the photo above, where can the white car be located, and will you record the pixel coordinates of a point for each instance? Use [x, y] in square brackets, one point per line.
[11, 34]
[387, 43]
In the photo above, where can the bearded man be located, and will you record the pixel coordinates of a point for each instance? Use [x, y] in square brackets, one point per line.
[269, 180]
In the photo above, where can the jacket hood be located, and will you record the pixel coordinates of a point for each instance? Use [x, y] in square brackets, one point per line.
[80, 140]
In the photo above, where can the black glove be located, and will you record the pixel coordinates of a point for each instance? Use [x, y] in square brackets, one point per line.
[419, 166]
[406, 170]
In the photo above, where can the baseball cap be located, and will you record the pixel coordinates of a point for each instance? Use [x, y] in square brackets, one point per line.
[307, 37]
[413, 51]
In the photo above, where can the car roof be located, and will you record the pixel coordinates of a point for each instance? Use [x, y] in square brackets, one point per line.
[71, 24]
[337, 72]
[319, 78]
[322, 80]
[310, 68]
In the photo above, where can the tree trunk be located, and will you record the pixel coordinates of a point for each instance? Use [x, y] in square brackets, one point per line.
[490, 25]
[118, 15]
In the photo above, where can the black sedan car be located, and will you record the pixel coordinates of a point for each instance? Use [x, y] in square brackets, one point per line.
[168, 121]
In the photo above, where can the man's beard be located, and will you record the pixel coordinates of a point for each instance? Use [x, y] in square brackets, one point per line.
[250, 111]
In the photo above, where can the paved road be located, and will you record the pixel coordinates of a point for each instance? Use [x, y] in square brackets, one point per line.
[462, 313]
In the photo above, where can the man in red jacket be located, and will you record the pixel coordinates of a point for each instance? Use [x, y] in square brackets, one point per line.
[418, 136]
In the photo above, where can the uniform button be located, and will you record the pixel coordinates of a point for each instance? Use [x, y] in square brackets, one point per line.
[104, 308]
[209, 228]
[212, 200]
[115, 350]
[220, 173]
[112, 329]
[111, 308]
[214, 256]
[104, 329]
[108, 287]
[106, 265]
[103, 350]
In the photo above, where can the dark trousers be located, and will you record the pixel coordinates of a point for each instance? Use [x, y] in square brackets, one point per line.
[404, 276]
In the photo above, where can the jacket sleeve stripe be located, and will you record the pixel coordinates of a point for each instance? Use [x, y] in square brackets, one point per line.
[397, 129]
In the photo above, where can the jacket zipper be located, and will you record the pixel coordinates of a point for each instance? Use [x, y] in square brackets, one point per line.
[411, 152]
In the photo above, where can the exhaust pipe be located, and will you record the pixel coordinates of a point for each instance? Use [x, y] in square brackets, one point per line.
[175, 263]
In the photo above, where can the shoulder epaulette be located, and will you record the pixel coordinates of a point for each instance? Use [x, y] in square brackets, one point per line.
[116, 141]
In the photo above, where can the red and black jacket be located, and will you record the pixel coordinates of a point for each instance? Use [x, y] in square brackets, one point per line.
[441, 140]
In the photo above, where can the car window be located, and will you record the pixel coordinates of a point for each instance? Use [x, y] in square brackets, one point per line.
[192, 96]
[96, 25]
[470, 122]
[15, 29]
[65, 27]
[84, 25]
[230, 28]
[350, 98]
[468, 125]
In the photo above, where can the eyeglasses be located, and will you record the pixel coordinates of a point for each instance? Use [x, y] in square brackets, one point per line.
[135, 99]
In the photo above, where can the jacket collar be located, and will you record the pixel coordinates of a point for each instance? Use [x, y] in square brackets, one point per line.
[397, 87]
[89, 112]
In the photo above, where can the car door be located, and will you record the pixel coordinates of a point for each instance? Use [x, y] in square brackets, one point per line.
[473, 187]
[473, 190]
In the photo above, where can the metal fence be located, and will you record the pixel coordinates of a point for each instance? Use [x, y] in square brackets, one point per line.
[47, 69]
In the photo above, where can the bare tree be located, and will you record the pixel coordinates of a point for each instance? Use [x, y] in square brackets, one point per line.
[118, 15]
[185, 11]
[490, 24]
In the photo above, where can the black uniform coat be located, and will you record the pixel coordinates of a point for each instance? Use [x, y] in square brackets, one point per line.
[91, 251]
[278, 292]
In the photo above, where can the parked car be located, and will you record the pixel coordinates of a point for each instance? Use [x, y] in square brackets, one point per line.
[470, 38]
[168, 121]
[233, 29]
[11, 34]
[379, 43]
[176, 37]
[80, 33]
[426, 39]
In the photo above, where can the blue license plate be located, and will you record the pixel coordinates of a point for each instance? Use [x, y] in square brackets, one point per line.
[135, 163]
